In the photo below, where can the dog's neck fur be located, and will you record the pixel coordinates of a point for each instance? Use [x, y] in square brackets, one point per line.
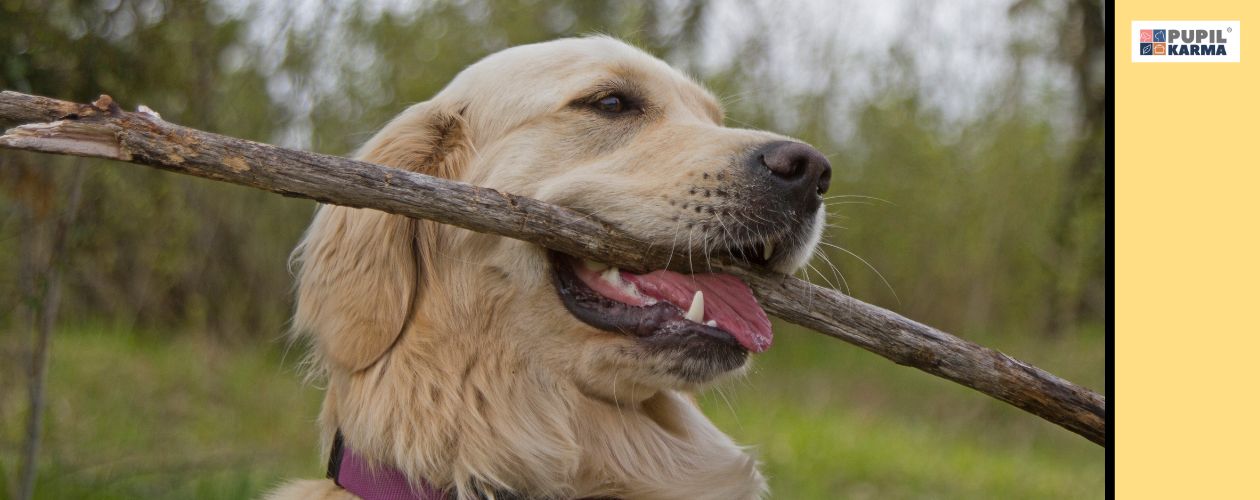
[442, 406]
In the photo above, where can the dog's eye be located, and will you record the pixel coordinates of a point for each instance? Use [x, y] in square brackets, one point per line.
[611, 104]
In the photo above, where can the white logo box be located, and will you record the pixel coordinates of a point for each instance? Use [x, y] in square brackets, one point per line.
[1228, 29]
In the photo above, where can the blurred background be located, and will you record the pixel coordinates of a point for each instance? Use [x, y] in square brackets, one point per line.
[969, 135]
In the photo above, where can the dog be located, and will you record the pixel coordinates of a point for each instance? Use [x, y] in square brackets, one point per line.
[467, 365]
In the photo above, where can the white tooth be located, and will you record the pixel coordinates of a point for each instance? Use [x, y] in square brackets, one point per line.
[696, 313]
[594, 266]
[769, 250]
[613, 277]
[711, 323]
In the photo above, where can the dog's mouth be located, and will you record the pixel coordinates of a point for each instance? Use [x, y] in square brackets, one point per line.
[663, 306]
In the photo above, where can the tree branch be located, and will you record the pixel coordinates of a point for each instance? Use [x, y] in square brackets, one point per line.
[102, 130]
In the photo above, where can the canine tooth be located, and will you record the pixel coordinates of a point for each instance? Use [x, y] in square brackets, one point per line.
[712, 323]
[594, 266]
[769, 251]
[696, 313]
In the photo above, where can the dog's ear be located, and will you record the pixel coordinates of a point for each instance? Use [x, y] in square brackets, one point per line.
[360, 271]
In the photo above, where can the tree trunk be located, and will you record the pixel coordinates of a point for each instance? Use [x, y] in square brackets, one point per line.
[43, 312]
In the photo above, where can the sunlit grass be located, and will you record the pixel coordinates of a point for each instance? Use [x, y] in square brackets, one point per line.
[148, 417]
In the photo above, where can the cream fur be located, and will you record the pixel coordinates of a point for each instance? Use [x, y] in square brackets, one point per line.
[447, 353]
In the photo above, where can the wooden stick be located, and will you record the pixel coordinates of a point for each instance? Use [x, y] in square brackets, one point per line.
[102, 130]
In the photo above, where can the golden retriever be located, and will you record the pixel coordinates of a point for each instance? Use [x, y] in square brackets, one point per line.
[486, 367]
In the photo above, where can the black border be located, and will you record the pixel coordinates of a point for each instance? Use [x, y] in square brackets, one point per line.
[1111, 243]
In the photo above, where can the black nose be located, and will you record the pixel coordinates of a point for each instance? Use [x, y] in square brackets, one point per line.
[802, 172]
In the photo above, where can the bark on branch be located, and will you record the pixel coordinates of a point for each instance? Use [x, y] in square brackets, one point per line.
[102, 130]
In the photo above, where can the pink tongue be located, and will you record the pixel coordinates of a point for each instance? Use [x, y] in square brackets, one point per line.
[727, 300]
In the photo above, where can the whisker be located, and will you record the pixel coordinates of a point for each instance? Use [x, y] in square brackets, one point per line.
[868, 265]
[704, 244]
[834, 271]
[729, 407]
[821, 276]
[673, 244]
[620, 413]
[809, 303]
[732, 241]
[691, 267]
[741, 123]
[838, 196]
[585, 216]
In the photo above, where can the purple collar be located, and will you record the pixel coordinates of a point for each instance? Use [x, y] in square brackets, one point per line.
[352, 473]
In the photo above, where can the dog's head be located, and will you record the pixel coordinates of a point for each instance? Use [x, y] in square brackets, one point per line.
[603, 128]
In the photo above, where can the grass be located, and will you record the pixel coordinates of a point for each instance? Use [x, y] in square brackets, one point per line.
[143, 417]
[140, 416]
[830, 420]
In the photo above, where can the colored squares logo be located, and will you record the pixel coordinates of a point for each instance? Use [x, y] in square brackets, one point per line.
[1153, 42]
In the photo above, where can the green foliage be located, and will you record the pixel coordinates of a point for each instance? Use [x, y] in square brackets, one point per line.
[980, 221]
[151, 248]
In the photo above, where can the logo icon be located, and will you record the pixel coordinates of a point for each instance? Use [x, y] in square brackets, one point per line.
[1147, 49]
[1161, 49]
[1160, 35]
[1148, 36]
